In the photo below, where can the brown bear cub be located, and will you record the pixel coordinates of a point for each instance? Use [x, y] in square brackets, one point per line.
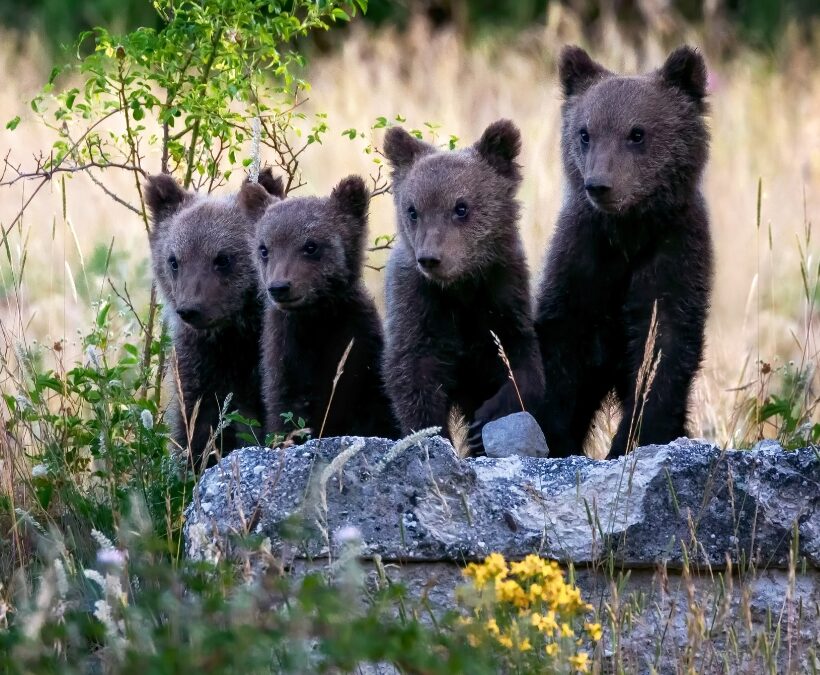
[633, 231]
[206, 275]
[457, 273]
[310, 255]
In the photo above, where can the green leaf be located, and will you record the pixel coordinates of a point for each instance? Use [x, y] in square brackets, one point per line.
[11, 125]
[102, 315]
[44, 490]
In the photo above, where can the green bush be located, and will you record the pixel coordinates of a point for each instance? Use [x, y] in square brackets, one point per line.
[133, 611]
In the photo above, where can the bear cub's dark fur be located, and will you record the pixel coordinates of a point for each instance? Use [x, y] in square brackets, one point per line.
[633, 231]
[457, 273]
[310, 254]
[206, 275]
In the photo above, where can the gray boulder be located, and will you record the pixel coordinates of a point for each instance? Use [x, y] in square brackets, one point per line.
[650, 536]
[688, 500]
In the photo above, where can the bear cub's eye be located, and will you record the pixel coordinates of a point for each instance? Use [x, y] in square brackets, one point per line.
[636, 136]
[584, 134]
[173, 264]
[263, 251]
[411, 211]
[460, 210]
[310, 248]
[222, 263]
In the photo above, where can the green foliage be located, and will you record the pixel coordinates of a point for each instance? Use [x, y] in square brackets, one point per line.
[94, 433]
[787, 405]
[133, 612]
[214, 65]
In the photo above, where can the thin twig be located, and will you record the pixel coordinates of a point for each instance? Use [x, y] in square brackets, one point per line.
[23, 208]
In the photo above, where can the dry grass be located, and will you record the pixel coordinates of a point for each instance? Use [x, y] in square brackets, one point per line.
[765, 125]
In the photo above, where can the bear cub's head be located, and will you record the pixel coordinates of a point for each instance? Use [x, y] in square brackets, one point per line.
[199, 250]
[455, 208]
[308, 249]
[634, 141]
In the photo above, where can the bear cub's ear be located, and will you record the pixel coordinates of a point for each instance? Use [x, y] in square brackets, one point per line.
[686, 70]
[499, 146]
[254, 199]
[577, 71]
[163, 196]
[351, 197]
[274, 186]
[403, 149]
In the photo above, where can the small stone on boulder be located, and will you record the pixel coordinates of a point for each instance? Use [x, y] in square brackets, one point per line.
[516, 434]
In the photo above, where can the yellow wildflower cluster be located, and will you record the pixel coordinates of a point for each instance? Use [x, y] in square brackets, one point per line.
[494, 568]
[527, 607]
[532, 581]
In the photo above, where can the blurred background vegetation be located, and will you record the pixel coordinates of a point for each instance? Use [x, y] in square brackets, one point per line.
[756, 23]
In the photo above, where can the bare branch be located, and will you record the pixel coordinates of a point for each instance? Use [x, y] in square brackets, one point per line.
[46, 174]
[126, 299]
[44, 180]
[113, 196]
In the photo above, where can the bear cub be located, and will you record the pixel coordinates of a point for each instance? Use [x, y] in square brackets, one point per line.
[632, 235]
[310, 254]
[207, 278]
[457, 273]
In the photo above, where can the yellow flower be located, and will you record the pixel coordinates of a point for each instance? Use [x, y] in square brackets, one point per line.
[566, 630]
[531, 566]
[524, 645]
[494, 568]
[544, 622]
[478, 573]
[496, 565]
[509, 591]
[536, 591]
[580, 662]
[505, 641]
[595, 631]
[551, 649]
[492, 627]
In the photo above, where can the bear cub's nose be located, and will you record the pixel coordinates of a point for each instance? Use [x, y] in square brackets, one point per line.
[597, 188]
[429, 262]
[279, 290]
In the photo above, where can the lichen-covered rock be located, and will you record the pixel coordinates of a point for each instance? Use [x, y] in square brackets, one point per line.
[661, 504]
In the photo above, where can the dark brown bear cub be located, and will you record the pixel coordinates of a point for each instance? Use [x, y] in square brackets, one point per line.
[633, 231]
[310, 253]
[457, 273]
[201, 263]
